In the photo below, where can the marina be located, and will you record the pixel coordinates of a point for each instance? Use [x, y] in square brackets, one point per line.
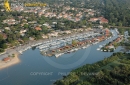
[65, 45]
[33, 61]
[52, 46]
[62, 45]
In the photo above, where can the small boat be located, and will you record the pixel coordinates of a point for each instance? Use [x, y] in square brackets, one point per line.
[84, 47]
[68, 51]
[75, 49]
[20, 52]
[98, 48]
[58, 55]
[105, 50]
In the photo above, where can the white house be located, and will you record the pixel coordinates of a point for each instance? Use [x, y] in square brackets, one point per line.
[7, 28]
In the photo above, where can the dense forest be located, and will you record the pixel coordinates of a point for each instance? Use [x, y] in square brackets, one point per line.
[110, 71]
[117, 12]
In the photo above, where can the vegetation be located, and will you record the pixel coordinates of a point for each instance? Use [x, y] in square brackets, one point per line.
[122, 30]
[113, 70]
[116, 11]
[2, 44]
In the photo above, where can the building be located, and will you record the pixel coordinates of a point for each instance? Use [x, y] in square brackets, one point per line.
[44, 36]
[7, 28]
[53, 34]
[101, 20]
[10, 21]
[93, 19]
[6, 59]
[22, 31]
[38, 28]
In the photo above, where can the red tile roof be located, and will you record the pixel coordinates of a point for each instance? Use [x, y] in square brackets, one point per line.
[38, 28]
[6, 59]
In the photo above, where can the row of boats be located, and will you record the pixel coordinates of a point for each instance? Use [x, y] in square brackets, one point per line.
[100, 46]
[70, 51]
[57, 43]
[21, 51]
[28, 47]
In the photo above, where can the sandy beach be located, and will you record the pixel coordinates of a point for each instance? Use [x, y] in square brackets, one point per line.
[13, 61]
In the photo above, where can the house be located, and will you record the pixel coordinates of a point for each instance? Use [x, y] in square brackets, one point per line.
[103, 20]
[93, 19]
[32, 22]
[80, 29]
[7, 59]
[10, 21]
[111, 47]
[47, 25]
[54, 22]
[31, 38]
[100, 26]
[2, 10]
[91, 13]
[53, 34]
[67, 32]
[74, 30]
[20, 17]
[22, 31]
[38, 28]
[7, 28]
[44, 36]
[59, 16]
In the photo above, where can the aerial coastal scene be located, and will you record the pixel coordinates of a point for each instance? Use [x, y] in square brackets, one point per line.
[64, 42]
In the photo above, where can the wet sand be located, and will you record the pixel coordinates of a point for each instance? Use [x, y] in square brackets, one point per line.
[13, 61]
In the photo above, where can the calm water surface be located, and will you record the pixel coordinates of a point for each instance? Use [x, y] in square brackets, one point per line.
[53, 68]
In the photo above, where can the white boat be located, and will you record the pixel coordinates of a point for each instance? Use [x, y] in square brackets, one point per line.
[105, 50]
[88, 45]
[75, 49]
[29, 47]
[84, 47]
[71, 50]
[41, 50]
[98, 48]
[57, 55]
[20, 52]
[95, 42]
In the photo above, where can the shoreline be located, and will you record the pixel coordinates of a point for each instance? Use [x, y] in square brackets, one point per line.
[13, 61]
[17, 50]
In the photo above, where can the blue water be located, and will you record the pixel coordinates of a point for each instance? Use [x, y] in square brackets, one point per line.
[53, 68]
